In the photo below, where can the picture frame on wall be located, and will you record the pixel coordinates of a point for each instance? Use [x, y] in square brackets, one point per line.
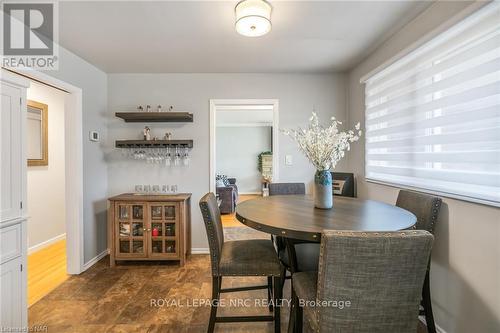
[37, 134]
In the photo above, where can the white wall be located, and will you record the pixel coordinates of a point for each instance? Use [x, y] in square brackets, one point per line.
[297, 95]
[46, 208]
[93, 82]
[465, 272]
[237, 150]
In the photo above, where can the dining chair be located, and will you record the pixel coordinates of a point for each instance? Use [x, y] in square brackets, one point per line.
[426, 208]
[367, 282]
[343, 184]
[255, 257]
[287, 188]
[305, 255]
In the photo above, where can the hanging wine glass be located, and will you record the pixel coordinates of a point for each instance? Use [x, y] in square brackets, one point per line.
[177, 158]
[168, 158]
[137, 153]
[185, 157]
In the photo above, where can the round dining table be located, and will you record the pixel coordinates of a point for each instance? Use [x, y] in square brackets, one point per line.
[294, 216]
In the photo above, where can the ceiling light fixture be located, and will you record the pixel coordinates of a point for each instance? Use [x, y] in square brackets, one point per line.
[253, 17]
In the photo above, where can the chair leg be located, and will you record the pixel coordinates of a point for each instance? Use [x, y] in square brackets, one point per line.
[295, 321]
[427, 304]
[283, 276]
[216, 286]
[270, 292]
[277, 303]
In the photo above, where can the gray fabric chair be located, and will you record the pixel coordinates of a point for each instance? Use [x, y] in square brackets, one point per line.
[426, 208]
[379, 273]
[287, 188]
[228, 196]
[239, 258]
[306, 253]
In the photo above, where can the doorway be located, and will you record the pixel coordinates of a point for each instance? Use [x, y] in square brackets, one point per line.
[45, 148]
[240, 108]
[73, 161]
[243, 151]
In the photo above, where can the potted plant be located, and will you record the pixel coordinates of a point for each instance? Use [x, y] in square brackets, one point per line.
[324, 147]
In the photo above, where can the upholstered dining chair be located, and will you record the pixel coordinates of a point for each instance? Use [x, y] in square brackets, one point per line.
[239, 258]
[426, 208]
[367, 282]
[306, 253]
[287, 188]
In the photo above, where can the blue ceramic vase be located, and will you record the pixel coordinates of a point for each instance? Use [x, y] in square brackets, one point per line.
[323, 196]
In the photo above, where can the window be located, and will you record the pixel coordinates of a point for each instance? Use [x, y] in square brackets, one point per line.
[433, 117]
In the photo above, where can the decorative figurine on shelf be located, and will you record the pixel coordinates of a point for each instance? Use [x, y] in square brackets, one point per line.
[159, 108]
[148, 108]
[170, 108]
[154, 232]
[140, 108]
[147, 133]
[167, 136]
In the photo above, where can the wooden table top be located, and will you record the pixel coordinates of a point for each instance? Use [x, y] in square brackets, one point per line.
[294, 216]
[150, 197]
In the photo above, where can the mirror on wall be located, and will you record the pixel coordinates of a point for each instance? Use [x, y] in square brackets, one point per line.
[37, 134]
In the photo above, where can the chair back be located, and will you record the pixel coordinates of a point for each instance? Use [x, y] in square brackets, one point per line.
[284, 189]
[343, 184]
[213, 225]
[381, 274]
[287, 188]
[425, 207]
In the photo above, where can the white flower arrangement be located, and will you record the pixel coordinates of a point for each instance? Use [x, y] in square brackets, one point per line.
[324, 147]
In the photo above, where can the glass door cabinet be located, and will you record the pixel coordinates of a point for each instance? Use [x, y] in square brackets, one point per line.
[155, 228]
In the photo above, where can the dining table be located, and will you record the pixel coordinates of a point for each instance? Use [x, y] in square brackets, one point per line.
[294, 216]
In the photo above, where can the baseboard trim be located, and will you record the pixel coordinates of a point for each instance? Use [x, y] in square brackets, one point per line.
[94, 260]
[46, 243]
[438, 328]
[200, 250]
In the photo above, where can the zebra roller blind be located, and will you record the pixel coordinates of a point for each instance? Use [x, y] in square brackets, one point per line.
[433, 117]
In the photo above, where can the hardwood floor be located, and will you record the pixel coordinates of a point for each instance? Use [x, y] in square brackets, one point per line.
[229, 220]
[46, 270]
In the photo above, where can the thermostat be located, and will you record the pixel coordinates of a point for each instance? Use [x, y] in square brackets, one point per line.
[94, 136]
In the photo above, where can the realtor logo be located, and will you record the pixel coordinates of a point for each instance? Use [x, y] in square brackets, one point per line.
[29, 35]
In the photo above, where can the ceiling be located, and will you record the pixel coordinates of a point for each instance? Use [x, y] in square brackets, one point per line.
[199, 36]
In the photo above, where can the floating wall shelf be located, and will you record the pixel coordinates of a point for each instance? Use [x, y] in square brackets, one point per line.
[156, 117]
[153, 143]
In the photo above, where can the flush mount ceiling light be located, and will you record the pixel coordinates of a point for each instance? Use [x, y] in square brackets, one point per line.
[253, 17]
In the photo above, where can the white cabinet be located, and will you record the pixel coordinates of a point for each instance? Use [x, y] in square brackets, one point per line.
[11, 302]
[13, 247]
[11, 143]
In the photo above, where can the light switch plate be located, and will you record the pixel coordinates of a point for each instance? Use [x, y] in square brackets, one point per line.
[94, 136]
[288, 160]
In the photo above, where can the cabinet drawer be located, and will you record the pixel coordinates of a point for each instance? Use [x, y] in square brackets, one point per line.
[10, 242]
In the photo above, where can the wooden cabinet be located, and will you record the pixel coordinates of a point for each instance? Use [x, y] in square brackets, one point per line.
[149, 227]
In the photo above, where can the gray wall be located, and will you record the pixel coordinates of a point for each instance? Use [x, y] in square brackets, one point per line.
[297, 95]
[465, 273]
[93, 82]
[237, 149]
